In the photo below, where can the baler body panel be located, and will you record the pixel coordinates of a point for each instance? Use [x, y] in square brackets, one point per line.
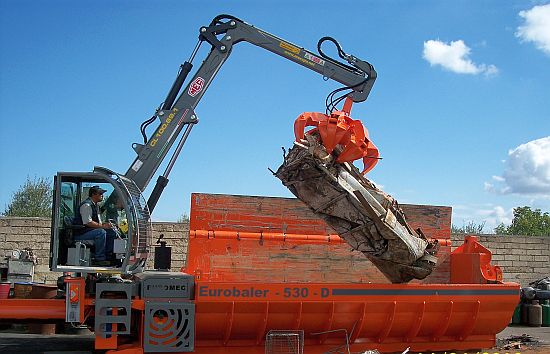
[264, 264]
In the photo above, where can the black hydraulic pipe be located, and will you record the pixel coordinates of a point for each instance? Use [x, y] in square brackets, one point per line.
[182, 75]
[168, 102]
[162, 181]
[155, 194]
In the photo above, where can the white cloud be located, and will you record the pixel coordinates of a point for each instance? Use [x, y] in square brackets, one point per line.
[536, 28]
[496, 215]
[489, 187]
[455, 57]
[527, 170]
[488, 215]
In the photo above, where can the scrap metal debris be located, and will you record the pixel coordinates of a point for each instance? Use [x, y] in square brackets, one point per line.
[516, 342]
[368, 219]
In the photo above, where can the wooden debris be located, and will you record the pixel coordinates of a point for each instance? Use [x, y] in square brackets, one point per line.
[368, 219]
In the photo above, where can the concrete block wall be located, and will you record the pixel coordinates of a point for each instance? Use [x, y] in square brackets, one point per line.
[34, 233]
[523, 258]
[176, 236]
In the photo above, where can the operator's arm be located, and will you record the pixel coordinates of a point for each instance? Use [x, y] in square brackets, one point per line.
[86, 213]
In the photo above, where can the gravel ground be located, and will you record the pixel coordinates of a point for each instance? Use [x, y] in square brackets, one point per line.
[542, 334]
[18, 343]
[13, 342]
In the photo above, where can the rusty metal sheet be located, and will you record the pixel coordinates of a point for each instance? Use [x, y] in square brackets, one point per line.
[219, 257]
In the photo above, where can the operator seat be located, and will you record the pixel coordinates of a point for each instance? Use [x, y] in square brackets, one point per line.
[68, 241]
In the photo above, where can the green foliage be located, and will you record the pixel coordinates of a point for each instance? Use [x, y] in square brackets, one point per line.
[526, 222]
[468, 228]
[184, 218]
[34, 198]
[500, 229]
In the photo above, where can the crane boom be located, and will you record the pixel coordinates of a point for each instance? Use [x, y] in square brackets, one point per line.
[176, 118]
[176, 115]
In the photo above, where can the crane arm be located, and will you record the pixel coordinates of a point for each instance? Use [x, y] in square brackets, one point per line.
[223, 33]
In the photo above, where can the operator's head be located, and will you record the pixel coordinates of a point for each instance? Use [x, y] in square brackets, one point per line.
[96, 193]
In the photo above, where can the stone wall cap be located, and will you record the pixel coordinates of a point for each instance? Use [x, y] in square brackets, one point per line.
[25, 218]
[503, 236]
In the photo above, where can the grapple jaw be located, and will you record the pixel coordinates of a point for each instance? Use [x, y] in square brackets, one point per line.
[318, 170]
[339, 129]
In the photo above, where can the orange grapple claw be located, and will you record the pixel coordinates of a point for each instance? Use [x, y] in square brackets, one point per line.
[306, 120]
[340, 129]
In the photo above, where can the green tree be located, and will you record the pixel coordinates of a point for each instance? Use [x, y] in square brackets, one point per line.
[526, 222]
[468, 228]
[34, 198]
[184, 218]
[500, 229]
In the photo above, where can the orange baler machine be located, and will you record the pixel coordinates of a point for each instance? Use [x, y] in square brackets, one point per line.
[264, 264]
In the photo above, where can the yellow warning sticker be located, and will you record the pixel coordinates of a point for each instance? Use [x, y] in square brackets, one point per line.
[289, 47]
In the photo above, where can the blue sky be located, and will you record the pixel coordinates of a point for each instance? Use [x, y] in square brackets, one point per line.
[460, 111]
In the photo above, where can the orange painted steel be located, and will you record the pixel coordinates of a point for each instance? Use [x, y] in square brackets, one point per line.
[29, 309]
[471, 263]
[76, 287]
[277, 236]
[340, 129]
[267, 263]
[222, 212]
[382, 316]
[257, 268]
[280, 239]
[387, 317]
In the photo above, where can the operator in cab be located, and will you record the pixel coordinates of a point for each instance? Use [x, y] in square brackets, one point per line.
[94, 229]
